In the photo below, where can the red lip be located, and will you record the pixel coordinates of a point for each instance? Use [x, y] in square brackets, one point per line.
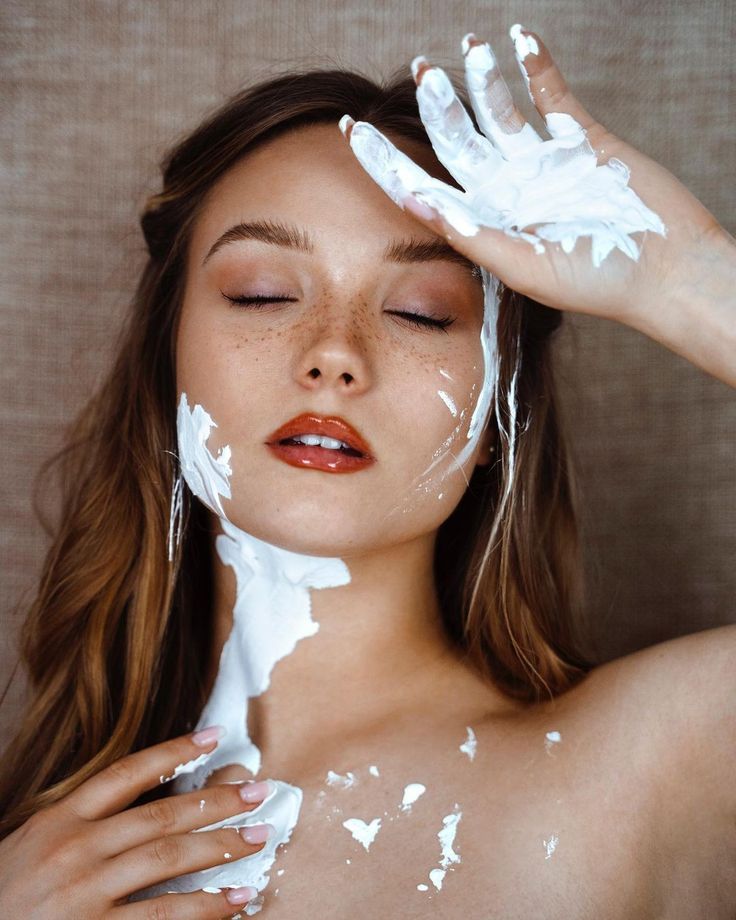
[357, 457]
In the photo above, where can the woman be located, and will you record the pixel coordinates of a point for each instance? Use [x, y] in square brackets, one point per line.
[287, 298]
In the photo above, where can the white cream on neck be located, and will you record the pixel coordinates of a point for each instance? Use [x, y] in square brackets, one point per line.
[272, 613]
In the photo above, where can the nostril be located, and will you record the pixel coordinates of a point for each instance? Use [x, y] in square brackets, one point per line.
[314, 373]
[348, 378]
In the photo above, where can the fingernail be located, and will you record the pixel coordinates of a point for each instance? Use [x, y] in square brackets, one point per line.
[258, 833]
[417, 63]
[207, 735]
[417, 208]
[241, 895]
[256, 792]
[457, 214]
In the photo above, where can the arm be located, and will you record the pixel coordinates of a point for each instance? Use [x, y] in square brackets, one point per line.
[555, 219]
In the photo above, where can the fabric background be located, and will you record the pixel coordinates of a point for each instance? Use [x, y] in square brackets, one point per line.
[94, 92]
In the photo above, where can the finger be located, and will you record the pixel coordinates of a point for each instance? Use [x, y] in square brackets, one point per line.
[547, 87]
[115, 787]
[393, 170]
[178, 854]
[178, 814]
[197, 905]
[497, 115]
[467, 155]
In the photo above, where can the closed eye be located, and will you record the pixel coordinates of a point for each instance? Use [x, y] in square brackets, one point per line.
[257, 300]
[422, 321]
[419, 320]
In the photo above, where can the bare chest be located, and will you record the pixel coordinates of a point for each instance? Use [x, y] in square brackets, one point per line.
[517, 832]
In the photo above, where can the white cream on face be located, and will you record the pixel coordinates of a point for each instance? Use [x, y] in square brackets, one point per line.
[272, 614]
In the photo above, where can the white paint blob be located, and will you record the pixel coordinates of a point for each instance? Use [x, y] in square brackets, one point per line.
[411, 793]
[272, 613]
[470, 745]
[436, 877]
[337, 779]
[373, 770]
[422, 888]
[550, 739]
[446, 837]
[364, 833]
[550, 845]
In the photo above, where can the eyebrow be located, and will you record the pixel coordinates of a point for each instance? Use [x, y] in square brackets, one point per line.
[291, 237]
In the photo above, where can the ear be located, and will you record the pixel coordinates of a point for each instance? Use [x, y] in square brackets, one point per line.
[486, 447]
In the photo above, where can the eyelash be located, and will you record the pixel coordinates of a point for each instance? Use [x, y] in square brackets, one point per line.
[417, 319]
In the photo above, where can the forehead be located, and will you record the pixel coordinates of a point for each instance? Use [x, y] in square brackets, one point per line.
[310, 176]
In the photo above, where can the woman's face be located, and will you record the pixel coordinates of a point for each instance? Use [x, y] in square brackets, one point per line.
[389, 345]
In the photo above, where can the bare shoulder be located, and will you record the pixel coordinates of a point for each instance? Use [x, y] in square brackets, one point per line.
[683, 691]
[681, 696]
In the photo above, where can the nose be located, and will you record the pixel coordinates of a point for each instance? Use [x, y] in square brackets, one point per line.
[335, 358]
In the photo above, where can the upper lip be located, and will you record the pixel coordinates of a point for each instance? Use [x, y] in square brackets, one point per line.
[330, 426]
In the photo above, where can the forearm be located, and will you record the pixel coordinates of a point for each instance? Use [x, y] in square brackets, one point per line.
[698, 318]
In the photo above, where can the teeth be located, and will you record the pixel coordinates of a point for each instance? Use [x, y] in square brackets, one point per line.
[316, 440]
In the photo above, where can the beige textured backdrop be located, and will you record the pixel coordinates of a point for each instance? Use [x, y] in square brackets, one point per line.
[93, 92]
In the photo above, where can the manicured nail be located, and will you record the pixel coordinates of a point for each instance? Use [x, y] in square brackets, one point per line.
[207, 735]
[418, 208]
[256, 792]
[258, 833]
[241, 895]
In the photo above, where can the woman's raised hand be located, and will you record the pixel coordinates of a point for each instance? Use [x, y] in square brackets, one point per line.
[580, 221]
[83, 856]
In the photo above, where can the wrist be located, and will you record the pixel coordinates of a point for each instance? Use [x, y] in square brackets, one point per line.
[695, 315]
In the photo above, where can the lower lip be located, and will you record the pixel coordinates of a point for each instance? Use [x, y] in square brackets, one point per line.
[319, 458]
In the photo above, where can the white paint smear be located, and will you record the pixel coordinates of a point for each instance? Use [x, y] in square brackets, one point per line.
[272, 614]
[373, 770]
[411, 793]
[551, 845]
[337, 779]
[530, 188]
[206, 476]
[470, 745]
[422, 887]
[364, 833]
[447, 839]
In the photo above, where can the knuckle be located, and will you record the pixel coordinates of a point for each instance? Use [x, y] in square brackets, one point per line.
[168, 851]
[224, 797]
[162, 813]
[122, 771]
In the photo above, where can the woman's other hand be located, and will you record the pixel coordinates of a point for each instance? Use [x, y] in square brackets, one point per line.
[561, 219]
[82, 857]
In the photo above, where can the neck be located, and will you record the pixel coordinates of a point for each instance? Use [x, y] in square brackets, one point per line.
[371, 649]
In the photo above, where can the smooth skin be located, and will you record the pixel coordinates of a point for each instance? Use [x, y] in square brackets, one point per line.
[83, 856]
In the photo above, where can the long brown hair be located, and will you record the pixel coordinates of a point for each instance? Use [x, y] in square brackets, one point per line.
[115, 639]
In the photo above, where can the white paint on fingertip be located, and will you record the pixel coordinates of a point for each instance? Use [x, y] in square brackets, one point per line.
[523, 44]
